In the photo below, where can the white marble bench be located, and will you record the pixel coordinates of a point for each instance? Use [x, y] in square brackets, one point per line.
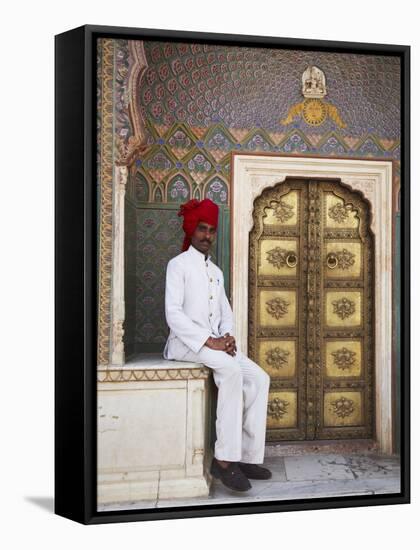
[153, 430]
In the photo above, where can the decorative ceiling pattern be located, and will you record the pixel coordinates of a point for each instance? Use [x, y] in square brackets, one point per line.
[242, 87]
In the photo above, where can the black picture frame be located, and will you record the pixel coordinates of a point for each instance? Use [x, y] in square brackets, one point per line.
[76, 275]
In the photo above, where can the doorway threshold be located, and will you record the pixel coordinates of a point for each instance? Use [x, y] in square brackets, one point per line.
[296, 448]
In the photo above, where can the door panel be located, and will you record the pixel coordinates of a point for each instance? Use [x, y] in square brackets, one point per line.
[343, 309]
[311, 308]
[343, 259]
[278, 257]
[345, 391]
[282, 410]
[277, 308]
[278, 357]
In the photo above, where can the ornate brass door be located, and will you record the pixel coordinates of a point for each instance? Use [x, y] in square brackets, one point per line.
[311, 309]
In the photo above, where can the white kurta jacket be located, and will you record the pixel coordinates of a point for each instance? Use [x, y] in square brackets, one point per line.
[196, 305]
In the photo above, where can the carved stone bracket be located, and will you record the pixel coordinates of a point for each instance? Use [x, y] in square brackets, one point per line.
[136, 143]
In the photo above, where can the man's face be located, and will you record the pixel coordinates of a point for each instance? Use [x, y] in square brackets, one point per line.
[203, 236]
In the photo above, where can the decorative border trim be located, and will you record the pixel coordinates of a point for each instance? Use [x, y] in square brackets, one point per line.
[151, 375]
[106, 74]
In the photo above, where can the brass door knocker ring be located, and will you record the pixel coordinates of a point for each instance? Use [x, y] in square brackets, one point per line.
[332, 261]
[291, 259]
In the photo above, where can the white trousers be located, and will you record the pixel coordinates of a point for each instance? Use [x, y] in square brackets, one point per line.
[241, 404]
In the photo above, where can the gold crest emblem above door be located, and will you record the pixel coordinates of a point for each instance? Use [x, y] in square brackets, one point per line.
[311, 309]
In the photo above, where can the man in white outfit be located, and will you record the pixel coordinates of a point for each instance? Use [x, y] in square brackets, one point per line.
[200, 319]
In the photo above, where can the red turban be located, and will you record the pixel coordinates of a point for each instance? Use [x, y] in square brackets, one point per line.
[195, 211]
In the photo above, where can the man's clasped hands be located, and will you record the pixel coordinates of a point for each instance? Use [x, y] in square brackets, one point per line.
[224, 343]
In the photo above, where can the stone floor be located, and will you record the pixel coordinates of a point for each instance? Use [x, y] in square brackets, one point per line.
[296, 477]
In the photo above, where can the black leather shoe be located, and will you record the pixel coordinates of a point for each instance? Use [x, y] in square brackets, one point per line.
[253, 471]
[231, 477]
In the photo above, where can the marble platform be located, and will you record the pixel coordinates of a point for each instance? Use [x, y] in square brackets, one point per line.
[153, 430]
